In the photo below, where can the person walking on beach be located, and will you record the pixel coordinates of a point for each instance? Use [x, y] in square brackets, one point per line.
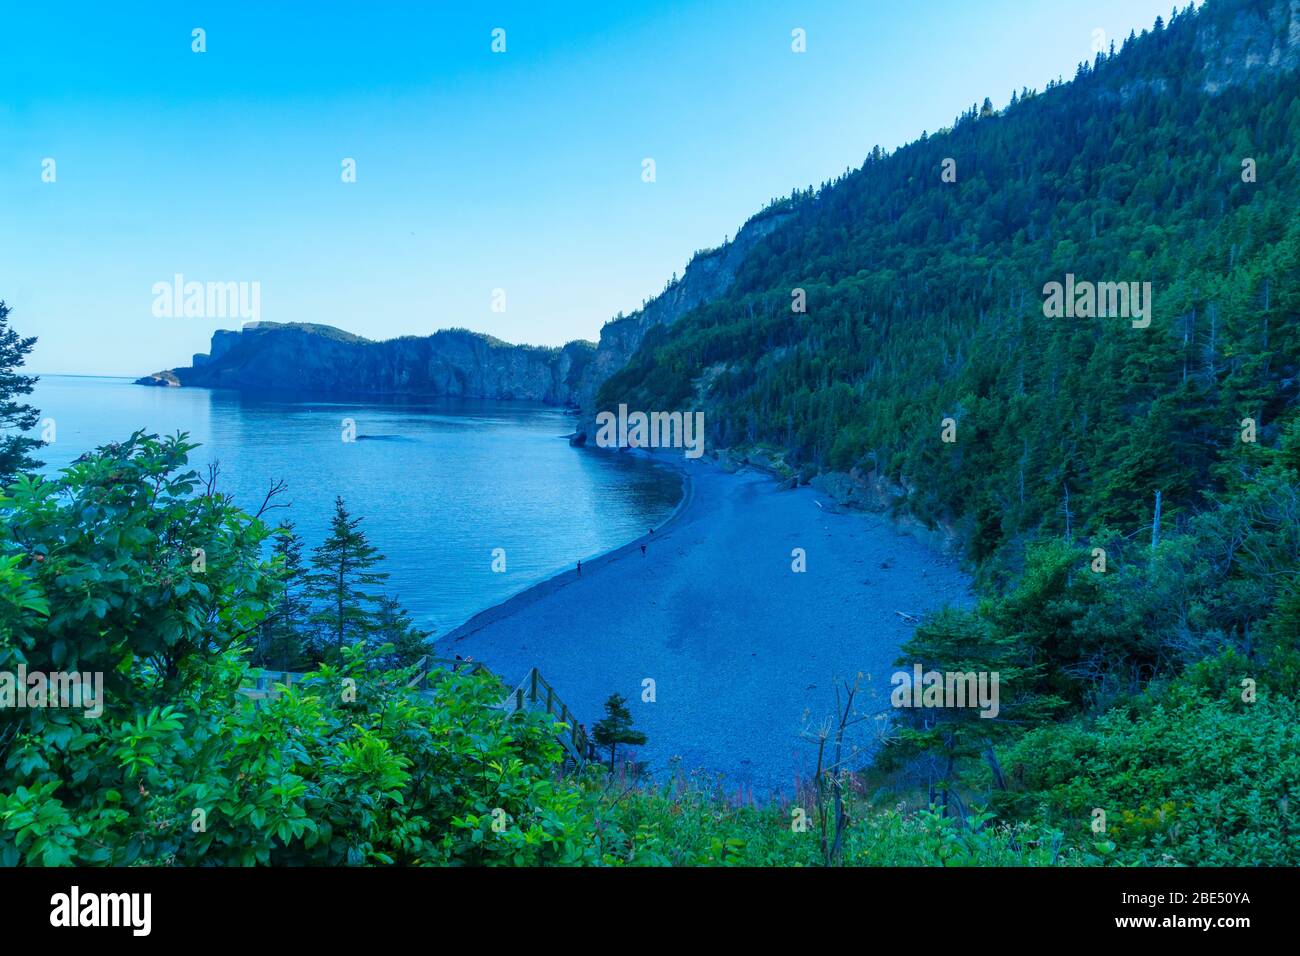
[643, 549]
[579, 569]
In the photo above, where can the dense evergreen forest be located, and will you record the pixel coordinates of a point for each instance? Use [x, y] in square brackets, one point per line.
[1127, 494]
[924, 301]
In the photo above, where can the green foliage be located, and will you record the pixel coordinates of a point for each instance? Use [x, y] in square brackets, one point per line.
[1190, 776]
[616, 727]
[281, 637]
[403, 642]
[682, 824]
[960, 642]
[15, 414]
[142, 577]
[342, 571]
[349, 766]
[101, 577]
[925, 301]
[312, 776]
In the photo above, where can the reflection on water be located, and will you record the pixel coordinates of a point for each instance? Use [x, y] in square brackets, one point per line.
[440, 483]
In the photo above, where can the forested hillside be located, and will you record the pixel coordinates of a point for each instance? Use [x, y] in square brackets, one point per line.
[924, 299]
[1127, 492]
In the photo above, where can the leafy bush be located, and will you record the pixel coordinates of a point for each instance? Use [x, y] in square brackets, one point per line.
[102, 576]
[1185, 776]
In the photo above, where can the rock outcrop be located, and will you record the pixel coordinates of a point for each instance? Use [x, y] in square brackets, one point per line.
[319, 358]
[164, 378]
[708, 276]
[1246, 42]
[302, 356]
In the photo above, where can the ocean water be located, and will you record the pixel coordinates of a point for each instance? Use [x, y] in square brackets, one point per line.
[439, 483]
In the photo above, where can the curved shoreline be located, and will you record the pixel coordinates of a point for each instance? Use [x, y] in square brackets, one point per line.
[728, 635]
[555, 582]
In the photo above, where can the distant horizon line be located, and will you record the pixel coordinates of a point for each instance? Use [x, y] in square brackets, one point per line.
[78, 375]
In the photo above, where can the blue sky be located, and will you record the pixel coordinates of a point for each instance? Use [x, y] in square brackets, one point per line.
[475, 170]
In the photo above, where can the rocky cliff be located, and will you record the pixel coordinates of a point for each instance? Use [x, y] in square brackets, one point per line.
[458, 363]
[307, 357]
[708, 276]
[1247, 41]
[1237, 43]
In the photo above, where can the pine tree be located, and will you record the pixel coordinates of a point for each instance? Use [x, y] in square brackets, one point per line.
[338, 582]
[282, 636]
[616, 727]
[14, 449]
[959, 642]
[394, 626]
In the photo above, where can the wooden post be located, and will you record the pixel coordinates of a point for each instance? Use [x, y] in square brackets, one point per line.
[532, 677]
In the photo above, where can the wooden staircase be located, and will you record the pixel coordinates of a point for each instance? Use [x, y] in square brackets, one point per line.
[536, 694]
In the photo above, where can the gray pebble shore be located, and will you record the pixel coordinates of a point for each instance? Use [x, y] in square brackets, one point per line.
[744, 652]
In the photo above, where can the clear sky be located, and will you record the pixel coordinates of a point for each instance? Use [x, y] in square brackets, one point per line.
[476, 170]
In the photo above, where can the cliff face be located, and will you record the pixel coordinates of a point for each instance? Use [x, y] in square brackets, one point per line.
[708, 276]
[453, 363]
[1246, 41]
[457, 363]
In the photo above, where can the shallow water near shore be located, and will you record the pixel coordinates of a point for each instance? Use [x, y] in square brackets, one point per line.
[439, 483]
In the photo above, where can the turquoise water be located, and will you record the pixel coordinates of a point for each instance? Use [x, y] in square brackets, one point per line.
[440, 483]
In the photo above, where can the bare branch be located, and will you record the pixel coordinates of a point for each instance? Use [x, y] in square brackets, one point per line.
[268, 503]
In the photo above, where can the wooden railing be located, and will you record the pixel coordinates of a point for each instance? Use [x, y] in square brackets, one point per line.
[533, 694]
[536, 694]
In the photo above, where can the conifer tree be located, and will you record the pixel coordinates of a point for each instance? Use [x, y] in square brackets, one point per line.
[393, 625]
[282, 636]
[616, 727]
[14, 457]
[959, 642]
[340, 581]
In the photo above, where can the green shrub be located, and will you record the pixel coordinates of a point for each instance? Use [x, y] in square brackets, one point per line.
[1191, 778]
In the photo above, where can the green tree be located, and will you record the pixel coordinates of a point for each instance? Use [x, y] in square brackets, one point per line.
[14, 457]
[616, 727]
[955, 643]
[341, 576]
[113, 545]
[393, 626]
[98, 575]
[282, 637]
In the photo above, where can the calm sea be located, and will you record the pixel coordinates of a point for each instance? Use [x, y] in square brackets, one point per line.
[440, 483]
